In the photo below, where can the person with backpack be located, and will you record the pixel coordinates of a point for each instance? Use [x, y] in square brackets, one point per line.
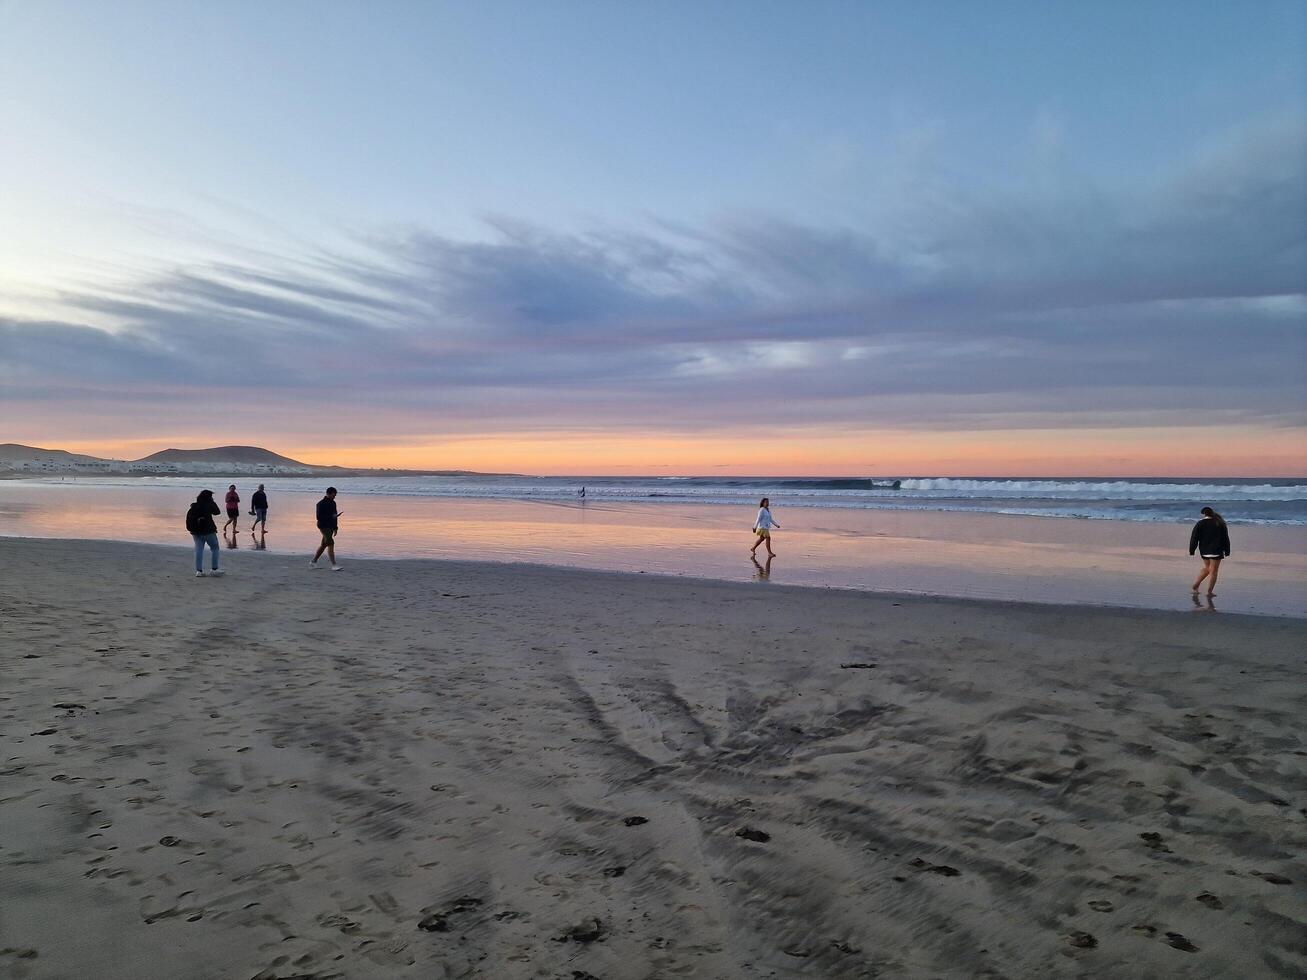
[199, 521]
[1211, 539]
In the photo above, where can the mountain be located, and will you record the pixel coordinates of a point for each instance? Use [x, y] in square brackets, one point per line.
[12, 452]
[249, 455]
[17, 461]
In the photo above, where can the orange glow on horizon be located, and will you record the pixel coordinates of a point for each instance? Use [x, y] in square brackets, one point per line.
[1181, 452]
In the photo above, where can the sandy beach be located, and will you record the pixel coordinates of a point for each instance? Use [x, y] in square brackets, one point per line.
[454, 769]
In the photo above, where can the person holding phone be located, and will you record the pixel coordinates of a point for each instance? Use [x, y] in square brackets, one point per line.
[328, 524]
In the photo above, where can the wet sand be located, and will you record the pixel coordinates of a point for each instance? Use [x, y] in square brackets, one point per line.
[439, 769]
[993, 556]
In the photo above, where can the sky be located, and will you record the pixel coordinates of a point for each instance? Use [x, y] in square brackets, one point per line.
[887, 239]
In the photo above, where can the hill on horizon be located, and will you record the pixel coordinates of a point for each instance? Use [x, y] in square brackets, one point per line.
[225, 454]
[10, 451]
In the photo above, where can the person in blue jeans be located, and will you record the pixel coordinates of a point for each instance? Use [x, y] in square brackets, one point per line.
[199, 521]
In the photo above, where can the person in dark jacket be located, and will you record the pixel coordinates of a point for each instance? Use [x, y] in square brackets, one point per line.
[1211, 539]
[259, 501]
[327, 524]
[199, 521]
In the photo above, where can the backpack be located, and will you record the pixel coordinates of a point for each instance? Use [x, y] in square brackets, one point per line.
[192, 520]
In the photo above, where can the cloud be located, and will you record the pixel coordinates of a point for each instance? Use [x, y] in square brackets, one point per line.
[1183, 298]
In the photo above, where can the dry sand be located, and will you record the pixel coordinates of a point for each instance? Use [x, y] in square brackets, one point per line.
[423, 769]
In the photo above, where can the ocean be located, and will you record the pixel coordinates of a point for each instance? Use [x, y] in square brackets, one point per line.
[1159, 499]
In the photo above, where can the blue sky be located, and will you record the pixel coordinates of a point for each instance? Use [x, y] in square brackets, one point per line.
[506, 216]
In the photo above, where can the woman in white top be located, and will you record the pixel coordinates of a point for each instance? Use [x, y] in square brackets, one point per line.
[762, 527]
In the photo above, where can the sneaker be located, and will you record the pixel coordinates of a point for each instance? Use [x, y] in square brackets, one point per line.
[199, 575]
[313, 564]
[218, 572]
[337, 568]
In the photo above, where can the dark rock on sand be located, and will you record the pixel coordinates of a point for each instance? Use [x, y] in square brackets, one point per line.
[1180, 942]
[615, 872]
[170, 841]
[588, 931]
[858, 666]
[439, 921]
[1272, 879]
[635, 821]
[758, 836]
[940, 869]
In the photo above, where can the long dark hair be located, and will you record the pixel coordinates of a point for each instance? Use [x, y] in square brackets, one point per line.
[764, 502]
[204, 495]
[1208, 512]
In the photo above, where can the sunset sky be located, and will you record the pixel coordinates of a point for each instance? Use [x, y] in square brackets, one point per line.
[667, 238]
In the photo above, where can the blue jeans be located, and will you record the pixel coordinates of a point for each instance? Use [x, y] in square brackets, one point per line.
[200, 541]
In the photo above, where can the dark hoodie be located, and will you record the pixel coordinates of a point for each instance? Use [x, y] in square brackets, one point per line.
[199, 519]
[1210, 538]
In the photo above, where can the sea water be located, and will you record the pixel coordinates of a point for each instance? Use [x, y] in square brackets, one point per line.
[1160, 499]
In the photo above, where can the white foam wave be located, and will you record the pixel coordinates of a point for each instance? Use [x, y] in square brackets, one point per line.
[1107, 490]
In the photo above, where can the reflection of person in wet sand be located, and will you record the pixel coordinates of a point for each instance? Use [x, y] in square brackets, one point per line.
[762, 527]
[229, 542]
[260, 541]
[1211, 539]
[762, 572]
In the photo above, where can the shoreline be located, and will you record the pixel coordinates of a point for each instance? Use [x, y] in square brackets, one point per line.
[420, 768]
[991, 556]
[489, 566]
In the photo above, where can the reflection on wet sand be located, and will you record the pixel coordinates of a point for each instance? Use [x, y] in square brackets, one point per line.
[989, 556]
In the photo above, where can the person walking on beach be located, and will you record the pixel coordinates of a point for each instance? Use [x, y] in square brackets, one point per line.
[762, 528]
[1211, 539]
[233, 509]
[199, 521]
[328, 524]
[259, 501]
